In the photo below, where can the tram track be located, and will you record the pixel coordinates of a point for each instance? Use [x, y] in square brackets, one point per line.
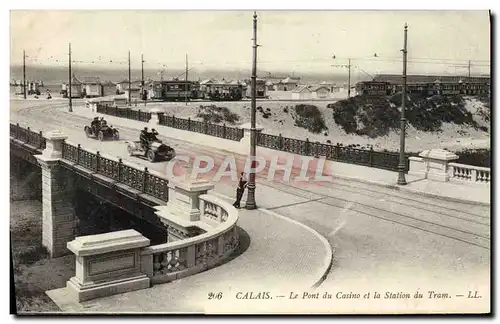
[49, 114]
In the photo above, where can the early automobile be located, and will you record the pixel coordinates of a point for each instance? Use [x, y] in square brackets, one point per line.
[154, 150]
[102, 131]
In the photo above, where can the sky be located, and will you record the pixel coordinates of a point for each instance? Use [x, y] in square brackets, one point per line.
[291, 41]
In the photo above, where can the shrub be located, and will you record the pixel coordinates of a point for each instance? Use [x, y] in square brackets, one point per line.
[310, 118]
[215, 114]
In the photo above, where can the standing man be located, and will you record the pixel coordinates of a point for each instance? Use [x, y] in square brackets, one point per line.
[242, 183]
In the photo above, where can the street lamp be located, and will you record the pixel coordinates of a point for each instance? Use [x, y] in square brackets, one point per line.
[251, 181]
[402, 164]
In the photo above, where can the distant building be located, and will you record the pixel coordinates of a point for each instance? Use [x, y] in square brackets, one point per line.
[437, 84]
[320, 92]
[261, 89]
[122, 86]
[301, 92]
[76, 88]
[288, 84]
[91, 87]
[372, 88]
[108, 89]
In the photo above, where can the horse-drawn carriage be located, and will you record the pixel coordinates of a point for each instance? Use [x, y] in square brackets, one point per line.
[102, 131]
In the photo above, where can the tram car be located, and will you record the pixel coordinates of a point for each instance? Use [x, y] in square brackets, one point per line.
[174, 90]
[223, 91]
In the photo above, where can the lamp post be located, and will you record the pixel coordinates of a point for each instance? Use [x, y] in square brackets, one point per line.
[402, 164]
[70, 95]
[250, 204]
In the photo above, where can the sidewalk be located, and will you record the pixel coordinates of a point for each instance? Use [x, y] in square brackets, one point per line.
[466, 193]
[277, 254]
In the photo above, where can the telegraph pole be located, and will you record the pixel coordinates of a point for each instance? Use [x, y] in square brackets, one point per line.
[253, 141]
[129, 81]
[24, 74]
[469, 70]
[70, 75]
[186, 82]
[349, 80]
[142, 75]
[402, 164]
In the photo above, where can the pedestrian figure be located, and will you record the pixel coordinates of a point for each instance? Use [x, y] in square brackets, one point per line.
[242, 183]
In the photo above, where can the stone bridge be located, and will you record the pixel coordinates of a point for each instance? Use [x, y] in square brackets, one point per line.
[202, 229]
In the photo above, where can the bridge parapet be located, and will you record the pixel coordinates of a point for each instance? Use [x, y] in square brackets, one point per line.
[436, 165]
[181, 258]
[202, 228]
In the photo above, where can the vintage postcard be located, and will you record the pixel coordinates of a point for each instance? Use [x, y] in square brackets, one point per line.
[250, 162]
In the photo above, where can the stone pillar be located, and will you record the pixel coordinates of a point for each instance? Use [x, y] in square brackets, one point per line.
[418, 167]
[247, 133]
[58, 221]
[436, 163]
[108, 264]
[155, 120]
[183, 209]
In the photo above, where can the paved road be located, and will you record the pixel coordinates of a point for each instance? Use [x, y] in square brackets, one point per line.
[380, 236]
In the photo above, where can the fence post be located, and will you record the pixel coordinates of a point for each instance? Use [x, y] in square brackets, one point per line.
[41, 140]
[138, 114]
[224, 130]
[78, 149]
[116, 111]
[337, 151]
[189, 123]
[205, 127]
[97, 162]
[136, 102]
[280, 142]
[144, 179]
[173, 121]
[28, 136]
[120, 164]
[18, 130]
[308, 147]
[370, 156]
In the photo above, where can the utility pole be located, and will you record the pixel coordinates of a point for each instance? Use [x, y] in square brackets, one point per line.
[469, 70]
[129, 81]
[402, 164]
[24, 74]
[142, 75]
[69, 83]
[349, 80]
[253, 141]
[186, 82]
[348, 66]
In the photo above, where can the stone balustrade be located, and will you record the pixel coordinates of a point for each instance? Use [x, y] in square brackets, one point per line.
[468, 173]
[436, 165]
[184, 257]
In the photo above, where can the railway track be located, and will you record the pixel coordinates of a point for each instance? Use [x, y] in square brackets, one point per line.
[449, 220]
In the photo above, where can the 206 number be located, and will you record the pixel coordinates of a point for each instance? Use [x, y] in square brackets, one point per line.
[215, 295]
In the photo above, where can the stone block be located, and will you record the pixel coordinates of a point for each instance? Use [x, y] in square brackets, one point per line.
[417, 167]
[108, 264]
[436, 163]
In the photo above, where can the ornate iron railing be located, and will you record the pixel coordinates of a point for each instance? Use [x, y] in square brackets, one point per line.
[371, 158]
[222, 131]
[140, 180]
[28, 136]
[124, 112]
